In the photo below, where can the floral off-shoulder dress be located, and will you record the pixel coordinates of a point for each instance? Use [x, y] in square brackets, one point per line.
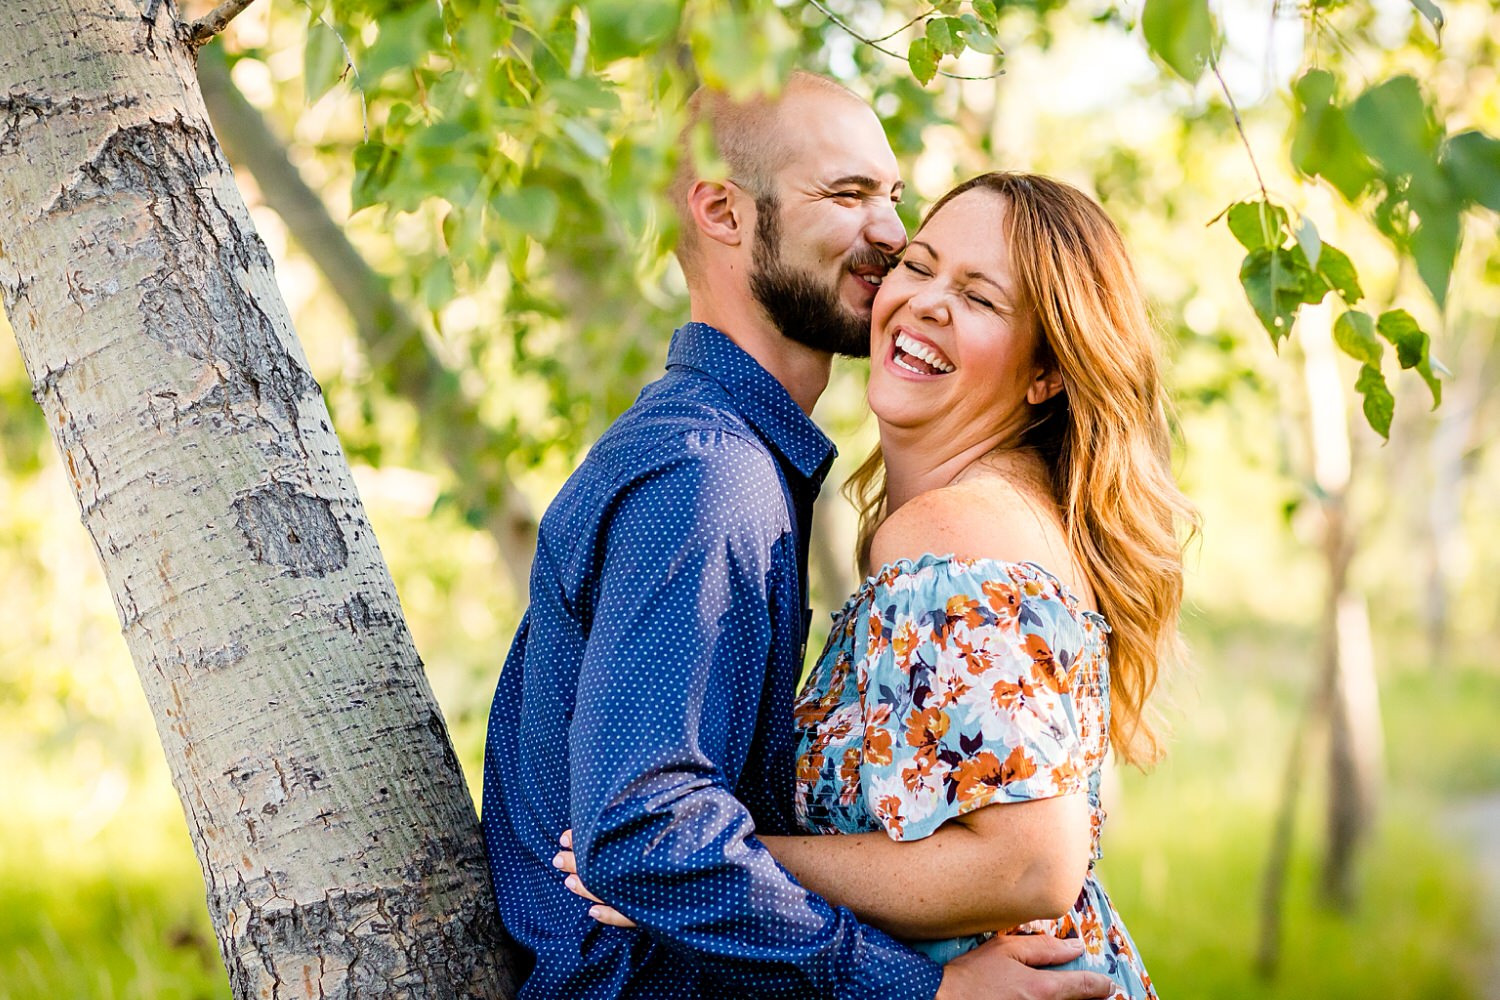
[949, 684]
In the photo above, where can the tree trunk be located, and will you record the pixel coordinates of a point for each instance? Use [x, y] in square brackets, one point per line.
[451, 424]
[1355, 745]
[325, 804]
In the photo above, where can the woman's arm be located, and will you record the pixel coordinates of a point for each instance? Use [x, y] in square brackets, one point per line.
[986, 870]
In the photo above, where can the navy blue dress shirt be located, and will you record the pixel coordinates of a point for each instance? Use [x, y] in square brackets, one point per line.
[647, 703]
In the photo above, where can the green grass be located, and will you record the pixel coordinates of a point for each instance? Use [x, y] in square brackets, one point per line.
[106, 901]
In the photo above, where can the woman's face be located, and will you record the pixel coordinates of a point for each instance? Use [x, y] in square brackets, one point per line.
[951, 351]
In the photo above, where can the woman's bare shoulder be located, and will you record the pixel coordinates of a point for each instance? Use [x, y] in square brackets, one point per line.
[985, 517]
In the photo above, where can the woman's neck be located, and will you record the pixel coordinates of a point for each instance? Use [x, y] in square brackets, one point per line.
[914, 466]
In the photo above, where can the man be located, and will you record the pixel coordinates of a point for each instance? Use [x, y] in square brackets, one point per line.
[646, 701]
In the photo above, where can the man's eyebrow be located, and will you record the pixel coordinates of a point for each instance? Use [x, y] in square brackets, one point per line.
[866, 182]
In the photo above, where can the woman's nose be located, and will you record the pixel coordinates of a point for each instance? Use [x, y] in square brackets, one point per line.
[930, 304]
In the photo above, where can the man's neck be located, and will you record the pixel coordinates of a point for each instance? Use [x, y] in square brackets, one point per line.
[802, 370]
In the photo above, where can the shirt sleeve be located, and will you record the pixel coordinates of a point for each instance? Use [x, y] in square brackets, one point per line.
[666, 712]
[971, 669]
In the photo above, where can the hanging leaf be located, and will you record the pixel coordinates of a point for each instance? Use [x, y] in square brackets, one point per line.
[923, 59]
[1472, 161]
[1393, 125]
[1379, 404]
[1277, 282]
[1434, 16]
[1309, 241]
[1323, 145]
[946, 35]
[1257, 224]
[1181, 33]
[323, 61]
[1434, 244]
[1337, 269]
[1413, 347]
[1354, 333]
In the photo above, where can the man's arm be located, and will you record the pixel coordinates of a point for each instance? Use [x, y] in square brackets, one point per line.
[667, 703]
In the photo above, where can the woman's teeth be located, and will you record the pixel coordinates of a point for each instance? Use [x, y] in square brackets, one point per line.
[930, 358]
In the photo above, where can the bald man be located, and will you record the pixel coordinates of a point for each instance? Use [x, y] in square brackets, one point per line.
[647, 699]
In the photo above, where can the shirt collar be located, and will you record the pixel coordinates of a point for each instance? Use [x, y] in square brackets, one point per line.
[761, 399]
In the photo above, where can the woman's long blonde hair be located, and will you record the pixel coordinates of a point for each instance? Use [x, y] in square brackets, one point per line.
[1104, 437]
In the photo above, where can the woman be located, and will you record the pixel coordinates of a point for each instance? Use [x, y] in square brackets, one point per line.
[1022, 521]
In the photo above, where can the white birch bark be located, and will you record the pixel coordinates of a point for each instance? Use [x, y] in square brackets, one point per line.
[327, 809]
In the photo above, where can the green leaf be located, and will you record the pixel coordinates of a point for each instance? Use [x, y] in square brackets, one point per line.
[1379, 404]
[1393, 125]
[587, 137]
[323, 61]
[1434, 16]
[1323, 145]
[532, 210]
[1434, 244]
[1354, 332]
[1181, 33]
[946, 34]
[1413, 348]
[1472, 160]
[1398, 327]
[988, 12]
[374, 163]
[1257, 224]
[979, 37]
[923, 59]
[1309, 241]
[1337, 269]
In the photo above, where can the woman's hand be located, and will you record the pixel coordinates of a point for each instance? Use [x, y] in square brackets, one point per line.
[602, 912]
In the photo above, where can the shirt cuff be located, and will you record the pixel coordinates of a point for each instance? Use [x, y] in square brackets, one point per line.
[885, 969]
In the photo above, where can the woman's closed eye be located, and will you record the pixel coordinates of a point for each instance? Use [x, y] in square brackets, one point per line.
[915, 268]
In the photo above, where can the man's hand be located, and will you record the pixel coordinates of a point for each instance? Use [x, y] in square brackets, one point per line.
[1010, 967]
[565, 860]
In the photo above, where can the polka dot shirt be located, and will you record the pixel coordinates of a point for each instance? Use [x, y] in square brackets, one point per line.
[647, 704]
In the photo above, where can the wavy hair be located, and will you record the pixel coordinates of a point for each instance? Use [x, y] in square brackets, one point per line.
[1105, 437]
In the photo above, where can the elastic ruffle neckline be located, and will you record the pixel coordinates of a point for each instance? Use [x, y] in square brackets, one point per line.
[906, 567]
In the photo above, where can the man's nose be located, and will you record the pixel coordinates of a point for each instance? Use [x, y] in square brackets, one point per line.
[886, 230]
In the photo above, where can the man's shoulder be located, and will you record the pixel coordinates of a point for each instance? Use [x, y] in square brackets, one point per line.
[678, 420]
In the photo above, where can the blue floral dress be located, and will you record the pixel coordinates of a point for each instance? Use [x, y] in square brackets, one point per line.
[949, 684]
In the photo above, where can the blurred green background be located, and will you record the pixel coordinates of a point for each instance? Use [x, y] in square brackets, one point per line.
[100, 895]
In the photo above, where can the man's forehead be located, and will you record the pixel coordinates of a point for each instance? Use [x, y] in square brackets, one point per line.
[837, 139]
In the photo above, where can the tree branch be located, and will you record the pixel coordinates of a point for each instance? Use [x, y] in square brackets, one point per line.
[874, 43]
[210, 24]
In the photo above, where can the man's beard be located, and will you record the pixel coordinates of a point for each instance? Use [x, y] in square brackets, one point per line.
[803, 308]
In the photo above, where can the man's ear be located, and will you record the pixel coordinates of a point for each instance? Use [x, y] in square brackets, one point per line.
[1045, 383]
[719, 209]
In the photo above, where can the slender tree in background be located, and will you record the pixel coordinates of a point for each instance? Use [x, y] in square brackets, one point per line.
[325, 803]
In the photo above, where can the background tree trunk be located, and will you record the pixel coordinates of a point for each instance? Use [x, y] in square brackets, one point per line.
[324, 801]
[1349, 690]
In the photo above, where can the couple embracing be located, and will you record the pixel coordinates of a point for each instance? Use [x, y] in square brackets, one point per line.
[1019, 525]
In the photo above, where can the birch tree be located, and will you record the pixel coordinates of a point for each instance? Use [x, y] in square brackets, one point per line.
[328, 812]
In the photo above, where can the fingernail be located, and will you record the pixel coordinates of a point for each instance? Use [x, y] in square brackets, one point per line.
[557, 861]
[1075, 943]
[566, 839]
[594, 911]
[571, 881]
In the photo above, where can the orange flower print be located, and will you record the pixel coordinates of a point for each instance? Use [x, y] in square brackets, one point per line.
[924, 728]
[849, 775]
[1119, 943]
[1046, 666]
[878, 745]
[1002, 598]
[1091, 931]
[962, 608]
[977, 776]
[809, 766]
[1009, 696]
[904, 643]
[1066, 777]
[975, 661]
[1017, 767]
[888, 811]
